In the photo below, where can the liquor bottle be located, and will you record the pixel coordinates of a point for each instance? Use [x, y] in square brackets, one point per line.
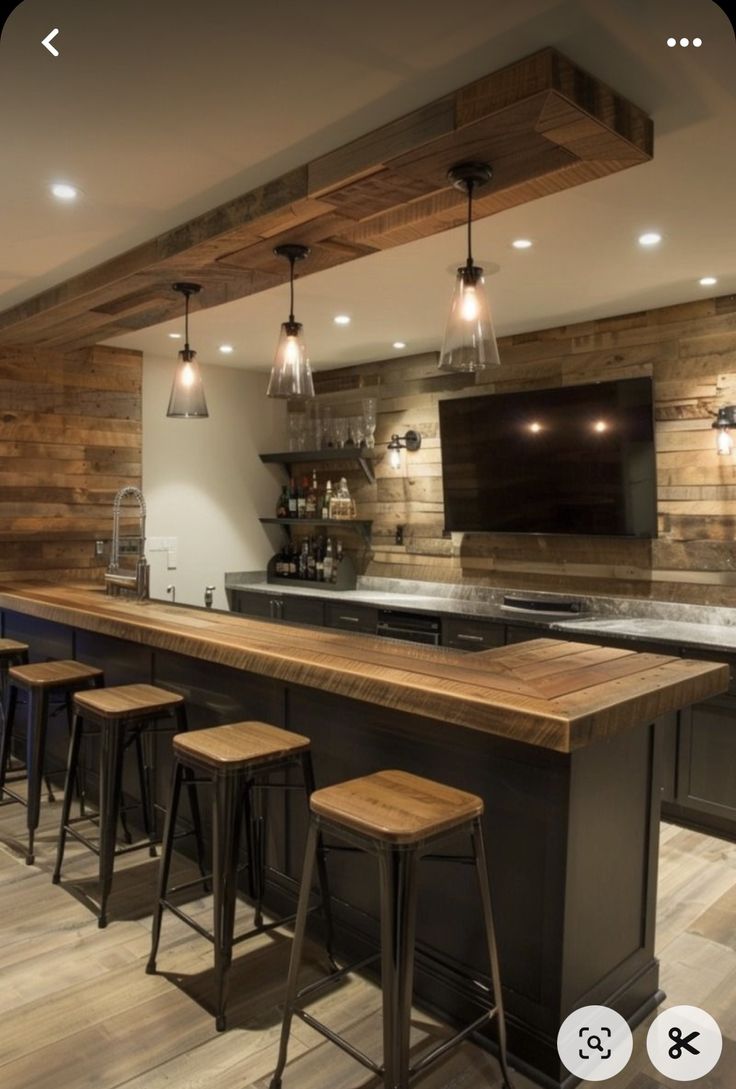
[311, 563]
[311, 503]
[338, 559]
[326, 498]
[303, 560]
[282, 507]
[328, 562]
[293, 561]
[319, 560]
[301, 501]
[292, 499]
[279, 566]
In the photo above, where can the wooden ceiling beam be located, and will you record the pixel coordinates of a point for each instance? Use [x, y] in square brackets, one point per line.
[543, 123]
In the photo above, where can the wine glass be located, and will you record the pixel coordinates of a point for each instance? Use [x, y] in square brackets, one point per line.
[340, 427]
[369, 421]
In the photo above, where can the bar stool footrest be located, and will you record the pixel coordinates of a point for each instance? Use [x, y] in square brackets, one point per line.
[342, 1043]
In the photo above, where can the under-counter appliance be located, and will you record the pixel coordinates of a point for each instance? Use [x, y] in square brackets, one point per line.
[414, 627]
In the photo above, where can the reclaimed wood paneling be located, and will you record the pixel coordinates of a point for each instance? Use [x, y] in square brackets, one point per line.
[543, 123]
[70, 436]
[689, 350]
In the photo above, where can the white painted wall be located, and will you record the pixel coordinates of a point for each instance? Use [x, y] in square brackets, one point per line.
[204, 483]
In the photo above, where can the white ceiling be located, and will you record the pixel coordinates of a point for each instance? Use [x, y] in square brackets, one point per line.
[161, 110]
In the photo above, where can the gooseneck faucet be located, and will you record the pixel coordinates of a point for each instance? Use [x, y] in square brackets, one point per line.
[117, 581]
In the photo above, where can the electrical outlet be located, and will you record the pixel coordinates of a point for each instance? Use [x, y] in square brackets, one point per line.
[99, 548]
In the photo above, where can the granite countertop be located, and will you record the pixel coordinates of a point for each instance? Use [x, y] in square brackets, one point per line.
[690, 626]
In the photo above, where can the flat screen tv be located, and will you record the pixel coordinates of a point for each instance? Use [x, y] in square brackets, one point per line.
[574, 460]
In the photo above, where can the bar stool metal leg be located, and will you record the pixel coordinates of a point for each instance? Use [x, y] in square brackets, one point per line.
[300, 926]
[7, 737]
[112, 743]
[481, 866]
[72, 772]
[144, 779]
[167, 850]
[35, 747]
[226, 845]
[309, 785]
[398, 874]
[182, 726]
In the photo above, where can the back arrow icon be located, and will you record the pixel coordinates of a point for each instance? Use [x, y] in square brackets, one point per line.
[46, 42]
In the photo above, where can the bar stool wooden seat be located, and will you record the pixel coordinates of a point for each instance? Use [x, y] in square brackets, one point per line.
[399, 818]
[119, 716]
[40, 681]
[237, 761]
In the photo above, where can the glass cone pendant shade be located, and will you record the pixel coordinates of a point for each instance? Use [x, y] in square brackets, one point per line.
[187, 400]
[291, 375]
[470, 342]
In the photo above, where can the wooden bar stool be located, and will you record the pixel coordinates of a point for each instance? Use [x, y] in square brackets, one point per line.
[399, 818]
[237, 761]
[40, 681]
[119, 716]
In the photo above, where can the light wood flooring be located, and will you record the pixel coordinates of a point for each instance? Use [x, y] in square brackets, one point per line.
[77, 1010]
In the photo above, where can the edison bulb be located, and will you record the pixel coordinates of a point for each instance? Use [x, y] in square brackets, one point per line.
[187, 375]
[724, 441]
[292, 351]
[469, 306]
[395, 458]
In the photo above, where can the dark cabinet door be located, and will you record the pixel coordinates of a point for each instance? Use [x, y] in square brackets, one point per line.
[253, 603]
[471, 634]
[706, 778]
[302, 610]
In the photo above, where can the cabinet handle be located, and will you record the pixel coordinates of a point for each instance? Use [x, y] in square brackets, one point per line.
[350, 619]
[470, 638]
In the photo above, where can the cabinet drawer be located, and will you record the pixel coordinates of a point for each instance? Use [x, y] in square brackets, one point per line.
[706, 778]
[471, 634]
[351, 617]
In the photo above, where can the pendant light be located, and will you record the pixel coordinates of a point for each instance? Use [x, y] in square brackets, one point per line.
[187, 401]
[724, 421]
[291, 375]
[470, 343]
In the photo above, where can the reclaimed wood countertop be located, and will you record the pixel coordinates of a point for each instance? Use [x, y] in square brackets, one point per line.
[551, 693]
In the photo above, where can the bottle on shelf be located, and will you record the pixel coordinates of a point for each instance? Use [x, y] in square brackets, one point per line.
[326, 500]
[338, 559]
[303, 560]
[319, 560]
[342, 506]
[293, 561]
[311, 562]
[301, 502]
[328, 562]
[293, 499]
[311, 500]
[282, 506]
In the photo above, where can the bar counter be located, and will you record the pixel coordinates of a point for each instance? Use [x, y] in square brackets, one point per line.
[560, 739]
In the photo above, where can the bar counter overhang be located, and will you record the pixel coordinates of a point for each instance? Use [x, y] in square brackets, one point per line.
[560, 739]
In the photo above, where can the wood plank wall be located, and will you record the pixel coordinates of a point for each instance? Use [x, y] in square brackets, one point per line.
[689, 349]
[70, 436]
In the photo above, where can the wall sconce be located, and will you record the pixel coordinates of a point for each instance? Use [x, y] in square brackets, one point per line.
[725, 419]
[412, 440]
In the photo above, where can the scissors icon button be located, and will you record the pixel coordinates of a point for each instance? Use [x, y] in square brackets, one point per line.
[682, 1042]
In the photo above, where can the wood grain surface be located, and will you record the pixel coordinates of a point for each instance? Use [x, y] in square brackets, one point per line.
[58, 674]
[543, 123]
[238, 744]
[126, 701]
[576, 693]
[690, 352]
[396, 806]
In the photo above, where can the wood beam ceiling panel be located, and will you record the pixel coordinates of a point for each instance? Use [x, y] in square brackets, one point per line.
[543, 124]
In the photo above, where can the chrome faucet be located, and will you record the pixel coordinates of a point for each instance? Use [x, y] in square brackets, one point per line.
[117, 581]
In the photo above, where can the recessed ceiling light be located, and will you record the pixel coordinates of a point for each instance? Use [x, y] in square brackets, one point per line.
[398, 344]
[650, 238]
[175, 336]
[707, 281]
[64, 191]
[522, 243]
[226, 349]
[341, 319]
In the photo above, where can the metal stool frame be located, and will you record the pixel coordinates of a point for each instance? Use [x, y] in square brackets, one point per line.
[397, 864]
[39, 702]
[237, 792]
[116, 735]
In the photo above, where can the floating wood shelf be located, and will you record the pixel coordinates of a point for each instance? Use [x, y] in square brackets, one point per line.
[360, 525]
[362, 454]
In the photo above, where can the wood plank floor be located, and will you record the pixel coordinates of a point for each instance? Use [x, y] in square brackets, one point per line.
[77, 1010]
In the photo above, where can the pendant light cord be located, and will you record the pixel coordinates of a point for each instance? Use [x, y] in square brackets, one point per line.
[186, 321]
[291, 289]
[470, 184]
